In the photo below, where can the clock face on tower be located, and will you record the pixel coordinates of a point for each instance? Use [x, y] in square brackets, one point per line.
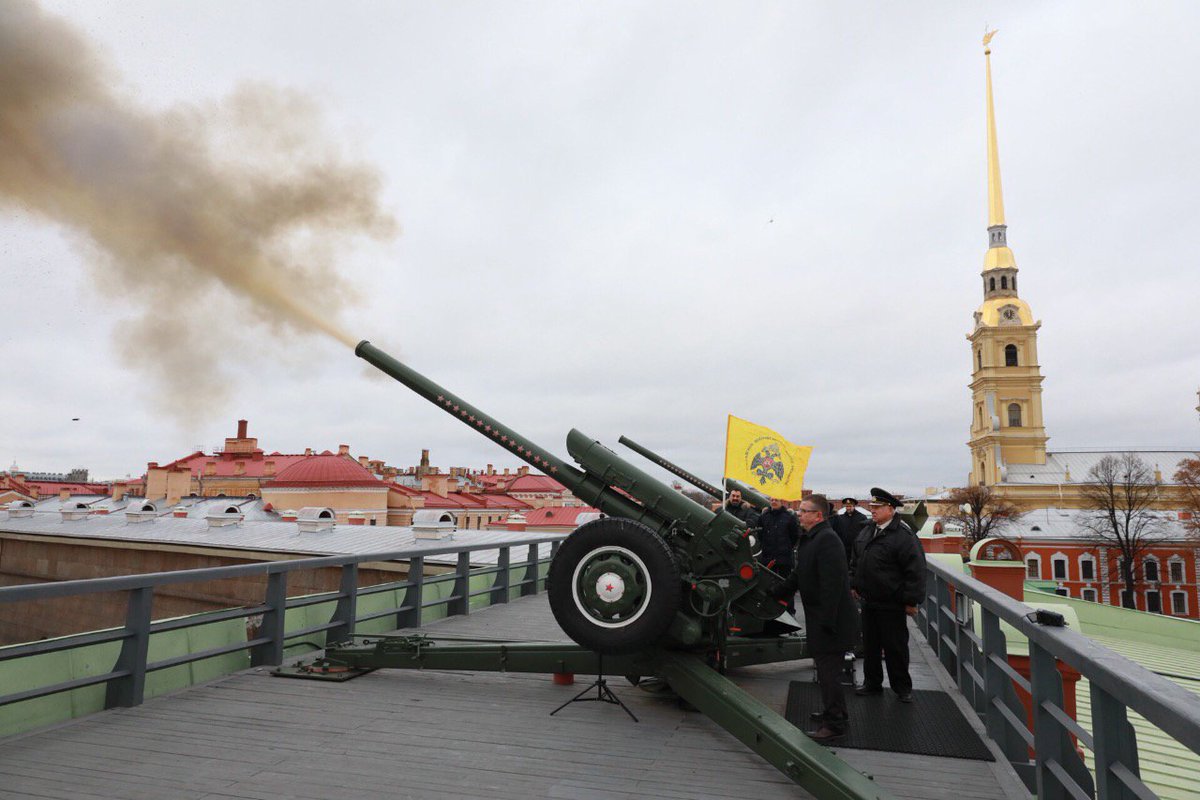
[1008, 316]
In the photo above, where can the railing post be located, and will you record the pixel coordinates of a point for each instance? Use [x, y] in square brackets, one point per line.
[503, 579]
[930, 622]
[965, 648]
[346, 610]
[999, 691]
[1051, 741]
[1115, 742]
[945, 629]
[272, 628]
[462, 587]
[529, 585]
[130, 690]
[413, 595]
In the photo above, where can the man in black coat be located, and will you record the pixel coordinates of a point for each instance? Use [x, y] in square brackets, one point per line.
[830, 617]
[848, 524]
[887, 573]
[735, 505]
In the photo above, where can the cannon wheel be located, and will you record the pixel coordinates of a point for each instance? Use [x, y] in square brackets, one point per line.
[614, 586]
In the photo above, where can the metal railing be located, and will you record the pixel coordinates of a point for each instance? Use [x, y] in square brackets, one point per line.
[126, 681]
[975, 653]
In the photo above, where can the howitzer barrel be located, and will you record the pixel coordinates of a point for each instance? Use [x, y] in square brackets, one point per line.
[586, 487]
[675, 469]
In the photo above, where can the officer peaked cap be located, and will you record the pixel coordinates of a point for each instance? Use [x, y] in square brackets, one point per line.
[884, 498]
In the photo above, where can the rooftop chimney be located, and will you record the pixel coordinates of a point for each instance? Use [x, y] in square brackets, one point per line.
[343, 449]
[241, 429]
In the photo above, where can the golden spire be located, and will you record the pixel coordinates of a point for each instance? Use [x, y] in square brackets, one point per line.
[995, 194]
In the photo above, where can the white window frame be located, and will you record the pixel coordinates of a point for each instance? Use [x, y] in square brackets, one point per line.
[1089, 590]
[1034, 558]
[1160, 605]
[1171, 562]
[1095, 567]
[1055, 560]
[1157, 569]
[1179, 593]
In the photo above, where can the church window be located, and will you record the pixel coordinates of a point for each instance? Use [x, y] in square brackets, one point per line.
[1014, 415]
[979, 359]
[1033, 566]
[1058, 563]
[1154, 602]
[1014, 283]
[1003, 281]
[1010, 355]
[1175, 567]
[1179, 603]
[1089, 595]
[992, 284]
[1150, 569]
[1087, 568]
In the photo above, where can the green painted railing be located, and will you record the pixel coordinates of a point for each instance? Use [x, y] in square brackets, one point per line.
[52, 680]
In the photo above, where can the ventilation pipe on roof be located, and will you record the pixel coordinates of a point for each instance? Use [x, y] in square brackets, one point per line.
[179, 512]
[313, 519]
[20, 509]
[143, 511]
[75, 511]
[515, 522]
[433, 524]
[357, 518]
[287, 515]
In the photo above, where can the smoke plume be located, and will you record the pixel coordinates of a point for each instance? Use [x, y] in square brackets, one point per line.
[218, 221]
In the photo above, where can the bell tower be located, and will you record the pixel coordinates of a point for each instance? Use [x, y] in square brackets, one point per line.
[1006, 382]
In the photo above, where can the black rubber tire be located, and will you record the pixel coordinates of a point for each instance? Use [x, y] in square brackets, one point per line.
[661, 573]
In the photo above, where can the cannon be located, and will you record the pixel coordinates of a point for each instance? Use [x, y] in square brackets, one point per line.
[661, 586]
[659, 571]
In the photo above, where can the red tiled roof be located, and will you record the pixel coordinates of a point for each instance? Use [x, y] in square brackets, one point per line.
[535, 483]
[46, 488]
[500, 501]
[557, 516]
[325, 470]
[225, 464]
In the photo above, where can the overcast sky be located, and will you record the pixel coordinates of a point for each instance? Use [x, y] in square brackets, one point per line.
[637, 218]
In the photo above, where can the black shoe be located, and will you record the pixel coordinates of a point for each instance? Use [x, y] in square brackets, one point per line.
[904, 697]
[863, 690]
[825, 734]
[817, 716]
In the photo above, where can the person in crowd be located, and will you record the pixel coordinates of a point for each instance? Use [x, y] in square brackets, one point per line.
[778, 533]
[848, 524]
[830, 616]
[887, 573]
[735, 505]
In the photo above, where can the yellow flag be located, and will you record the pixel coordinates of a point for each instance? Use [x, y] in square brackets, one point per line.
[765, 460]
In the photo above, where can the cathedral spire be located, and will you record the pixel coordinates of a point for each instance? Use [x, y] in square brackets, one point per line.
[998, 253]
[995, 195]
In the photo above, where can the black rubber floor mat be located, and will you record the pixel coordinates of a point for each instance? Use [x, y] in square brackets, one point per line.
[930, 725]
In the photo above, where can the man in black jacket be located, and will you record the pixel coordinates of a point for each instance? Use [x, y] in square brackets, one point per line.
[848, 524]
[778, 533]
[830, 618]
[887, 573]
[735, 505]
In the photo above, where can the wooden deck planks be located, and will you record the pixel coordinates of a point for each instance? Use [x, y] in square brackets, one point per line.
[441, 734]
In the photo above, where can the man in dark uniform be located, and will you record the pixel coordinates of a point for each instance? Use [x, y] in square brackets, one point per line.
[830, 618]
[778, 533]
[735, 505]
[887, 573]
[849, 524]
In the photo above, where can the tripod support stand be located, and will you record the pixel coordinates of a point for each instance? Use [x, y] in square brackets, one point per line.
[603, 693]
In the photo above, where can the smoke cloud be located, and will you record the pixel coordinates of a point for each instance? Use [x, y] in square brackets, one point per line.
[218, 222]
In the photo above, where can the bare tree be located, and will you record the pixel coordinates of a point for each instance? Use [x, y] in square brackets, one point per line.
[980, 512]
[1187, 475]
[1118, 496]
